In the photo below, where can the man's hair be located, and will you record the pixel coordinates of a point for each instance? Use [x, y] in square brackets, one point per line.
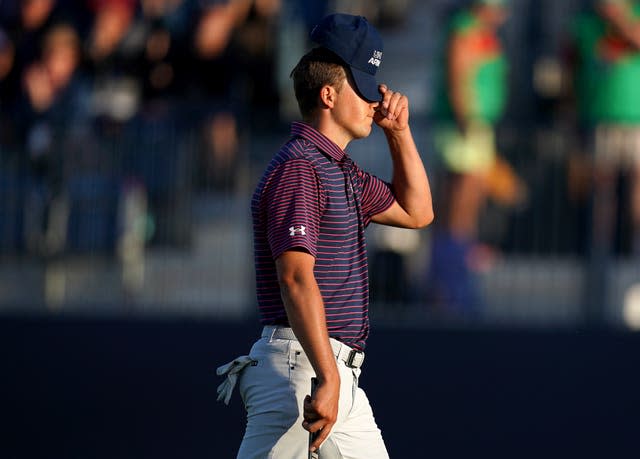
[317, 68]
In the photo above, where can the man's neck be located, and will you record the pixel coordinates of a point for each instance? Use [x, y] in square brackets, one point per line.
[331, 131]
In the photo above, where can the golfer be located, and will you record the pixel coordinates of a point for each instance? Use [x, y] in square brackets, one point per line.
[310, 211]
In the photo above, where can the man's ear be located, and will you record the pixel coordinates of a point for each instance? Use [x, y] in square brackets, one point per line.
[327, 96]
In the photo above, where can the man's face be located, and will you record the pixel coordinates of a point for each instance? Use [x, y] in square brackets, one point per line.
[352, 112]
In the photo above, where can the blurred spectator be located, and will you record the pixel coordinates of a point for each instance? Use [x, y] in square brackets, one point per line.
[7, 91]
[136, 53]
[116, 94]
[36, 93]
[212, 64]
[474, 101]
[111, 22]
[254, 45]
[157, 45]
[24, 24]
[213, 92]
[608, 97]
[10, 157]
[7, 55]
[219, 155]
[155, 53]
[234, 83]
[384, 13]
[55, 118]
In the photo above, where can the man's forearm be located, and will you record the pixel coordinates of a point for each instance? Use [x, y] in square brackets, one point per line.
[305, 311]
[410, 180]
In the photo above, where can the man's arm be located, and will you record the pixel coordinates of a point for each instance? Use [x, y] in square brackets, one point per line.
[305, 311]
[413, 207]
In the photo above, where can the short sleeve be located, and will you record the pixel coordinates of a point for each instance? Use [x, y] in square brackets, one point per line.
[377, 195]
[294, 204]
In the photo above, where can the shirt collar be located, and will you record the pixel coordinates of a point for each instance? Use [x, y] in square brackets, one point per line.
[322, 142]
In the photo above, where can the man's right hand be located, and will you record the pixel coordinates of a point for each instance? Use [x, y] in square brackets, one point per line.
[320, 410]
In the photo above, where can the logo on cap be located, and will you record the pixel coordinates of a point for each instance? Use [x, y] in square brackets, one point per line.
[376, 59]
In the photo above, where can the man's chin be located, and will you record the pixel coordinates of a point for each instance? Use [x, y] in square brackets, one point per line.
[365, 132]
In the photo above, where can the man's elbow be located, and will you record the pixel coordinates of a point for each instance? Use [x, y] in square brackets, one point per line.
[430, 218]
[424, 220]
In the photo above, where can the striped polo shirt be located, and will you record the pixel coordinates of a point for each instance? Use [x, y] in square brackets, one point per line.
[313, 197]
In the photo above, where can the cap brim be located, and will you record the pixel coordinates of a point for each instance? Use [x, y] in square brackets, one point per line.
[366, 85]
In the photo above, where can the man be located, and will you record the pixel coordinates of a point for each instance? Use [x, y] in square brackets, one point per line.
[608, 69]
[471, 102]
[310, 211]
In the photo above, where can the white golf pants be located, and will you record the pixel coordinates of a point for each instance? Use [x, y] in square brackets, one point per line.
[273, 387]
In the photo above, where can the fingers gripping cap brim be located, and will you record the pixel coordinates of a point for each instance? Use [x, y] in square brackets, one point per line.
[366, 85]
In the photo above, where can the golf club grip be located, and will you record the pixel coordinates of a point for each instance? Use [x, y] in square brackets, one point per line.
[312, 436]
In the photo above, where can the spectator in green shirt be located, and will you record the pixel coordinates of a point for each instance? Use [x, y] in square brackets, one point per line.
[607, 83]
[472, 101]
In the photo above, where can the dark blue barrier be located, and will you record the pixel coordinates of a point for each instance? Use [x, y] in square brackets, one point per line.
[106, 388]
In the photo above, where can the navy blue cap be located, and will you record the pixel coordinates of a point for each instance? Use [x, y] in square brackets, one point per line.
[358, 44]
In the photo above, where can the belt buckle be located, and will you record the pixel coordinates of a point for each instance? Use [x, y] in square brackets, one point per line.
[351, 357]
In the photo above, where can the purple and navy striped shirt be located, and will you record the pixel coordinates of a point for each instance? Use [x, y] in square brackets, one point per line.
[312, 196]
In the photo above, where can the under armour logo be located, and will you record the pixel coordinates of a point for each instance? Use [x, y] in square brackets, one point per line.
[301, 229]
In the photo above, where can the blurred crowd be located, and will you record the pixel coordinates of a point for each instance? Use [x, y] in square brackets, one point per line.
[98, 99]
[112, 60]
[135, 101]
[589, 94]
[113, 112]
